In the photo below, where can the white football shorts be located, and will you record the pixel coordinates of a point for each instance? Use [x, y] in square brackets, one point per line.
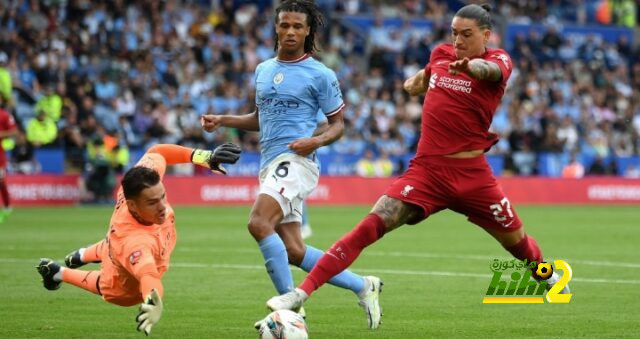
[289, 179]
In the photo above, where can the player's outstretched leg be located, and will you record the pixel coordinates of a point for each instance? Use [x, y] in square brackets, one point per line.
[369, 299]
[86, 280]
[83, 256]
[528, 248]
[48, 269]
[366, 288]
[336, 260]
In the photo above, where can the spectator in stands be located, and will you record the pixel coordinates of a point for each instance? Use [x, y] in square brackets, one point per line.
[351, 142]
[73, 142]
[598, 167]
[100, 178]
[41, 130]
[6, 97]
[383, 165]
[551, 142]
[574, 169]
[568, 134]
[365, 167]
[624, 12]
[50, 103]
[113, 60]
[23, 159]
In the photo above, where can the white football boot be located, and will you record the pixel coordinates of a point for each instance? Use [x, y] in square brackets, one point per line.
[555, 277]
[289, 301]
[370, 300]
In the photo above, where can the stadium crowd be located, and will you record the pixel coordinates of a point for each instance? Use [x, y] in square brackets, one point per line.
[100, 78]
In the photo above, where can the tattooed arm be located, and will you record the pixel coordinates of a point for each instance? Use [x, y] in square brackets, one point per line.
[418, 84]
[485, 70]
[477, 68]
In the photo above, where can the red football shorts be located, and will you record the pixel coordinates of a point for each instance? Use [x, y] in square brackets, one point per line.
[466, 186]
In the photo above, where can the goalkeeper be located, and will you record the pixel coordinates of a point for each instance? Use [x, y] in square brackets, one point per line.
[136, 251]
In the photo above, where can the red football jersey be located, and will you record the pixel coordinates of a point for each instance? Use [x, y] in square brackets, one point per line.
[7, 123]
[458, 109]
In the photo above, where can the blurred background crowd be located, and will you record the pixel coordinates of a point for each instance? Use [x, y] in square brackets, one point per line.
[100, 80]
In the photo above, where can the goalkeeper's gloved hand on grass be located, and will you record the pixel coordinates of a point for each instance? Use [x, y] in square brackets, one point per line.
[150, 312]
[224, 154]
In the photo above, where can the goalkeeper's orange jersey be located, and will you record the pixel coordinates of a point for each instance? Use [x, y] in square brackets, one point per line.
[135, 250]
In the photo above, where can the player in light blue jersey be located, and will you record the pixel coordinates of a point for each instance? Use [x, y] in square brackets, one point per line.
[305, 227]
[290, 89]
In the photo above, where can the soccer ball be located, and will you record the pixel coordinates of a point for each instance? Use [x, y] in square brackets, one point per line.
[544, 270]
[283, 324]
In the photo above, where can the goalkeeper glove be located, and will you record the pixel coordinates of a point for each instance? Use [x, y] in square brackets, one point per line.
[150, 312]
[224, 154]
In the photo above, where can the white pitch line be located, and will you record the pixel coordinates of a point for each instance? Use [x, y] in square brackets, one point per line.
[403, 272]
[367, 270]
[489, 257]
[402, 255]
[435, 255]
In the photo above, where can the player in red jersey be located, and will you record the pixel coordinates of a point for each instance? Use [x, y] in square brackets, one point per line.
[464, 82]
[8, 128]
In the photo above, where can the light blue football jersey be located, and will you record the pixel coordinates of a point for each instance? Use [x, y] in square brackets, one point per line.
[289, 96]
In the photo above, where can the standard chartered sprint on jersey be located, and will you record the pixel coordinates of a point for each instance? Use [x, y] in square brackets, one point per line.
[459, 85]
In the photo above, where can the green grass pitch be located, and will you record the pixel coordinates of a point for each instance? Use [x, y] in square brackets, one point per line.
[435, 274]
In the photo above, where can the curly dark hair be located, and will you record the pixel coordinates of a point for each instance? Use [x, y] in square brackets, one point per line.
[315, 20]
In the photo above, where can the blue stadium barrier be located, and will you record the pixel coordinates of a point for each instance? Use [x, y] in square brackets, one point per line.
[51, 159]
[497, 164]
[625, 163]
[333, 164]
[551, 164]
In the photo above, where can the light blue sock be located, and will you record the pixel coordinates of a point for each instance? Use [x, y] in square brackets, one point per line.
[277, 262]
[346, 279]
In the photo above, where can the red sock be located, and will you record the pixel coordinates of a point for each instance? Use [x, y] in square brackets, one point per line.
[87, 280]
[528, 249]
[5, 193]
[93, 253]
[344, 252]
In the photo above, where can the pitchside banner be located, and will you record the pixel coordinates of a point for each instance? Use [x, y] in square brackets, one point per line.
[210, 190]
[44, 189]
